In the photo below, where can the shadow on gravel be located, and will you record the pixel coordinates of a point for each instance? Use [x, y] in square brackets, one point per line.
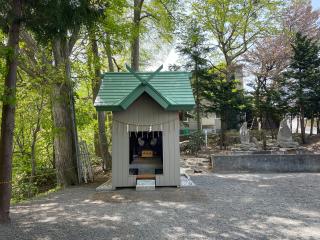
[188, 194]
[220, 207]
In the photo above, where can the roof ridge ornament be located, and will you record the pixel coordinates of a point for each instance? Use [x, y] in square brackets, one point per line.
[144, 81]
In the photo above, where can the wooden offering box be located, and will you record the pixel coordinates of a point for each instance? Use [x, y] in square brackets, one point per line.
[147, 153]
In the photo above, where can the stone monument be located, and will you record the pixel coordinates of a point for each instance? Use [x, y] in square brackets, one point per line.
[244, 134]
[284, 138]
[245, 139]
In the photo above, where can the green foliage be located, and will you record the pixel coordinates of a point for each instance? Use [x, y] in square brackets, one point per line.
[302, 77]
[193, 48]
[85, 112]
[302, 80]
[161, 15]
[114, 29]
[33, 105]
[23, 188]
[156, 25]
[267, 102]
[235, 24]
[6, 52]
[223, 96]
[196, 142]
[55, 18]
[192, 45]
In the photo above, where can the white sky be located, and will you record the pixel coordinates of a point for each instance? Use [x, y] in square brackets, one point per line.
[172, 58]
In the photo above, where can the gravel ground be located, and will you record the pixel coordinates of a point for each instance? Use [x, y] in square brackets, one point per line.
[220, 206]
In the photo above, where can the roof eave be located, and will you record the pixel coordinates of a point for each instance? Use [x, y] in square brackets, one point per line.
[181, 107]
[107, 108]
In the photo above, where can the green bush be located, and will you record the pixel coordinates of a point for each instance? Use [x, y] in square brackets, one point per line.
[23, 188]
[196, 141]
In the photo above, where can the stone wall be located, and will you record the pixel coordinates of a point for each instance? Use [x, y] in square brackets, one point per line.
[266, 163]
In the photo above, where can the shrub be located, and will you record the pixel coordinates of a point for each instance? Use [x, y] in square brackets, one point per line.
[196, 141]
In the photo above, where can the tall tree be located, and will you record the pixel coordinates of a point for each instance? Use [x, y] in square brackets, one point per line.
[300, 16]
[8, 109]
[234, 25]
[222, 96]
[103, 141]
[302, 76]
[270, 56]
[193, 46]
[58, 23]
[112, 32]
[266, 61]
[159, 13]
[135, 45]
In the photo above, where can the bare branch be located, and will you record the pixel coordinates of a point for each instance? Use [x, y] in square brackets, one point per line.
[73, 39]
[146, 16]
[167, 9]
[115, 62]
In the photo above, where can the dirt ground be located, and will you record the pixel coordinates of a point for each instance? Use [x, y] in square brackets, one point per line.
[219, 206]
[193, 165]
[313, 144]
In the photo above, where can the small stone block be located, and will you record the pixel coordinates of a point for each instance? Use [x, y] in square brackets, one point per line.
[144, 185]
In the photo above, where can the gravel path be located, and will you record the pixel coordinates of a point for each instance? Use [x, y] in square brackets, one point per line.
[220, 206]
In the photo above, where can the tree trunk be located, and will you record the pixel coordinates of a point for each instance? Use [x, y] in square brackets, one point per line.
[53, 162]
[33, 150]
[64, 146]
[223, 131]
[104, 145]
[318, 124]
[229, 78]
[96, 139]
[135, 45]
[264, 140]
[34, 139]
[74, 132]
[298, 122]
[273, 134]
[103, 140]
[33, 157]
[258, 101]
[229, 70]
[96, 143]
[302, 124]
[311, 127]
[109, 53]
[197, 99]
[8, 112]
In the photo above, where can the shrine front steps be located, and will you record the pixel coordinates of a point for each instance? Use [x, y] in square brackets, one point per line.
[146, 182]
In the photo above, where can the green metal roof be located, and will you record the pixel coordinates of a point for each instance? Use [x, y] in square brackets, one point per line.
[171, 90]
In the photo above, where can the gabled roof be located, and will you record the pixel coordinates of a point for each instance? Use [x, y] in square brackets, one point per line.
[171, 90]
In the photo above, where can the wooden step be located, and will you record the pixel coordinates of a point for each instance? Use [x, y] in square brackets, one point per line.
[146, 177]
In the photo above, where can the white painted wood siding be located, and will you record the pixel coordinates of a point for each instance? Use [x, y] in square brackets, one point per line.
[145, 111]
